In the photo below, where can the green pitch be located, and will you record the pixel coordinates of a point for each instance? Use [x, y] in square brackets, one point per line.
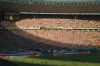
[68, 60]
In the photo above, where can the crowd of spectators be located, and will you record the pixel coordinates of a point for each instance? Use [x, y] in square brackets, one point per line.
[61, 38]
[57, 22]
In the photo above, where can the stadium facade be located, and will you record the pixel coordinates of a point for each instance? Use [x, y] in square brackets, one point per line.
[50, 6]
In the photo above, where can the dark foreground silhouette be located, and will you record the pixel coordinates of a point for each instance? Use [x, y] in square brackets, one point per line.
[6, 63]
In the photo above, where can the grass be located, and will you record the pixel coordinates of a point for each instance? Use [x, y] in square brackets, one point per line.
[68, 60]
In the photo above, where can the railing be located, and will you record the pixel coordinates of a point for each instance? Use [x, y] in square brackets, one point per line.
[48, 28]
[60, 13]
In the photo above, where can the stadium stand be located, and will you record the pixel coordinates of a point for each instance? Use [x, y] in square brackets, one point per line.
[20, 39]
[52, 38]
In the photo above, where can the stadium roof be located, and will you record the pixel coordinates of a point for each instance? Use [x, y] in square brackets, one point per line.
[51, 6]
[51, 0]
[59, 0]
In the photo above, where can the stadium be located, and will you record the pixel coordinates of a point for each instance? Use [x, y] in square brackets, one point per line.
[49, 32]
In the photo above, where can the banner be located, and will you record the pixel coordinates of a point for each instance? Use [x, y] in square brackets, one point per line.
[11, 16]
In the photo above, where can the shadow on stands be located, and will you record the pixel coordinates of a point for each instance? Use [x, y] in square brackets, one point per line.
[20, 40]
